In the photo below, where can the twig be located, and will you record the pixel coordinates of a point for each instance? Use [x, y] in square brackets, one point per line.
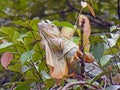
[81, 47]
[118, 1]
[80, 83]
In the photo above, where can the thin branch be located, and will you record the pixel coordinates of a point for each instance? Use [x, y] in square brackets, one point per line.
[95, 20]
[54, 13]
[118, 9]
[83, 83]
[98, 21]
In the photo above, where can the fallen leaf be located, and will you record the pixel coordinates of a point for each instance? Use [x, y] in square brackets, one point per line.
[6, 59]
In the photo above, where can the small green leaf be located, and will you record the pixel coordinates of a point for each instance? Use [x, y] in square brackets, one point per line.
[66, 24]
[30, 75]
[21, 38]
[45, 75]
[33, 24]
[25, 68]
[5, 45]
[97, 49]
[26, 56]
[105, 59]
[7, 30]
[21, 23]
[22, 87]
[118, 65]
[75, 40]
[113, 28]
[16, 67]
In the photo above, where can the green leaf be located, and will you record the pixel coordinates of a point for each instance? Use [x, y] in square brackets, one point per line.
[26, 56]
[97, 49]
[45, 75]
[75, 40]
[25, 68]
[15, 36]
[29, 38]
[118, 65]
[16, 67]
[21, 23]
[7, 30]
[31, 75]
[49, 83]
[66, 24]
[113, 28]
[100, 75]
[115, 36]
[21, 38]
[112, 50]
[22, 87]
[33, 24]
[5, 45]
[105, 59]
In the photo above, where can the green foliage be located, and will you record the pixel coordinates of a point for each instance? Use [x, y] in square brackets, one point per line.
[26, 56]
[66, 24]
[19, 35]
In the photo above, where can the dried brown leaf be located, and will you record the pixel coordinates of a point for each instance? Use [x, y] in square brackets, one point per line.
[91, 9]
[6, 59]
[87, 32]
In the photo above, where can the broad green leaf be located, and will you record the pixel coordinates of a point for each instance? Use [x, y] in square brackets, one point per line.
[7, 30]
[5, 45]
[31, 38]
[75, 40]
[118, 65]
[105, 59]
[113, 28]
[96, 39]
[16, 67]
[15, 36]
[22, 87]
[45, 75]
[36, 58]
[97, 49]
[25, 68]
[110, 42]
[49, 83]
[115, 36]
[22, 23]
[112, 50]
[42, 66]
[26, 56]
[31, 75]
[21, 38]
[33, 23]
[66, 24]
